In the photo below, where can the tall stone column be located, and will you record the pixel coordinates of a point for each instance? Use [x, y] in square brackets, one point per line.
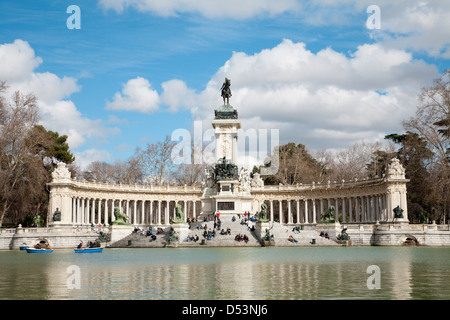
[280, 213]
[113, 202]
[78, 211]
[142, 211]
[194, 213]
[289, 212]
[306, 211]
[99, 213]
[336, 211]
[314, 210]
[93, 212]
[166, 211]
[134, 212]
[159, 211]
[271, 210]
[343, 210]
[363, 210]
[185, 211]
[298, 211]
[350, 210]
[105, 217]
[357, 211]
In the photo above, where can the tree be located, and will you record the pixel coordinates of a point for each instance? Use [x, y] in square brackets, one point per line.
[22, 173]
[126, 172]
[59, 148]
[431, 123]
[25, 148]
[155, 161]
[414, 156]
[296, 165]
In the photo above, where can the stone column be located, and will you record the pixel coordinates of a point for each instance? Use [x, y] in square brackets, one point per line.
[78, 210]
[99, 211]
[134, 212]
[142, 211]
[357, 211]
[350, 210]
[306, 211]
[185, 211]
[289, 212]
[106, 212]
[128, 209]
[194, 213]
[280, 213]
[314, 210]
[336, 211]
[113, 202]
[298, 211]
[88, 211]
[321, 207]
[363, 211]
[343, 210]
[159, 211]
[271, 210]
[166, 211]
[93, 212]
[72, 217]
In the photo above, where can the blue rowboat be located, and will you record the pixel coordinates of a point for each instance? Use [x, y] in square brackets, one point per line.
[32, 250]
[88, 250]
[23, 247]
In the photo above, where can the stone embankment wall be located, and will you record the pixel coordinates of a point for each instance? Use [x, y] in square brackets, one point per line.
[11, 239]
[360, 235]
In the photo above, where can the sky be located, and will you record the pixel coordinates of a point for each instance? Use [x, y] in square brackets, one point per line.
[323, 73]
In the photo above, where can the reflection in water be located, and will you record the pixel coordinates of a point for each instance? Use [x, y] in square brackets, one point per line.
[231, 273]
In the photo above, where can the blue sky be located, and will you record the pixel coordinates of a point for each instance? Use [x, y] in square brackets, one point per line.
[139, 69]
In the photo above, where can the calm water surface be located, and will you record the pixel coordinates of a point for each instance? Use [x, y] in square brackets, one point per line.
[228, 273]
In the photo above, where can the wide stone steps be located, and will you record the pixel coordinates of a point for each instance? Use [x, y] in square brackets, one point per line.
[280, 234]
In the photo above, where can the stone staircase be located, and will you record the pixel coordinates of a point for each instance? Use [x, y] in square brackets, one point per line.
[280, 232]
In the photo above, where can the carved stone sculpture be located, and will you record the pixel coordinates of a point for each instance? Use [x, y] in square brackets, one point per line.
[395, 170]
[61, 172]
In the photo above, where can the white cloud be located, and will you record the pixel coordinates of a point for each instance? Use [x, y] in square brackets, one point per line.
[420, 25]
[136, 95]
[239, 9]
[17, 67]
[84, 158]
[323, 99]
[176, 93]
[17, 61]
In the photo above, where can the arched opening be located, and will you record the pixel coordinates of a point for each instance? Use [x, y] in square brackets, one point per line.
[410, 241]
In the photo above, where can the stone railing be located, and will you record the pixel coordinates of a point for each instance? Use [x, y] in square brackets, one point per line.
[71, 229]
[7, 231]
[133, 188]
[328, 185]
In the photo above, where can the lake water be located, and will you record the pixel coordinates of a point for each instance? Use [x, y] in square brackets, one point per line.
[271, 273]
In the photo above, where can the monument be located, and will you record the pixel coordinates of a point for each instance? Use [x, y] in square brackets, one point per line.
[227, 189]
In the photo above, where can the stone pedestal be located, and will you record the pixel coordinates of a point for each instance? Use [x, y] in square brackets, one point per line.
[260, 232]
[118, 232]
[333, 229]
[401, 221]
[181, 231]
